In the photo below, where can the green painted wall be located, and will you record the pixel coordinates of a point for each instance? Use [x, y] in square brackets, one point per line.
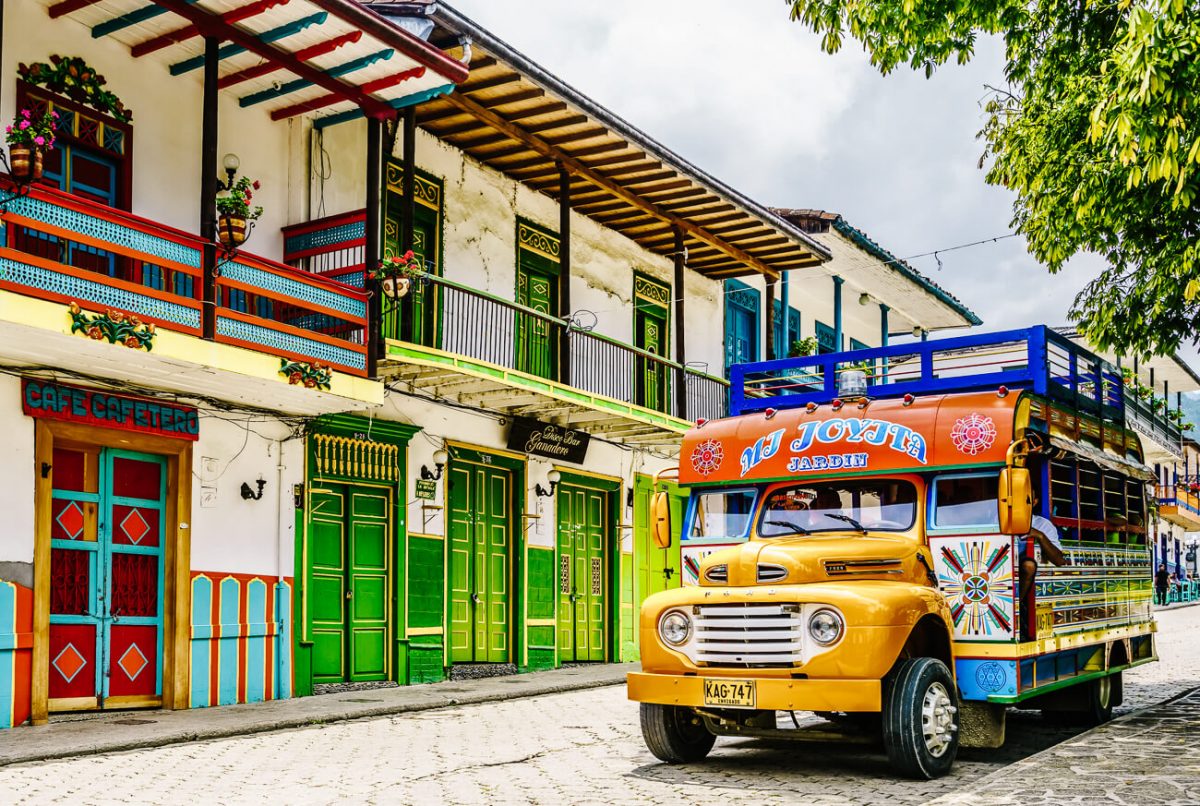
[426, 604]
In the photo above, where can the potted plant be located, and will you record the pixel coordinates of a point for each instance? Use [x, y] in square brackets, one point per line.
[28, 138]
[234, 212]
[397, 272]
[803, 347]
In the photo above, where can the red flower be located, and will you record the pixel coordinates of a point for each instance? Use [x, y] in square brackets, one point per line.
[256, 185]
[132, 341]
[310, 382]
[95, 333]
[295, 377]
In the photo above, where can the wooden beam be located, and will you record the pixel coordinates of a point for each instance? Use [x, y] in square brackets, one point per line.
[536, 111]
[69, 7]
[586, 134]
[560, 123]
[306, 54]
[580, 169]
[490, 83]
[191, 31]
[211, 22]
[633, 169]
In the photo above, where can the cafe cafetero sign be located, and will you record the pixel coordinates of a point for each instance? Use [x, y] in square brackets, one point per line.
[76, 404]
[543, 439]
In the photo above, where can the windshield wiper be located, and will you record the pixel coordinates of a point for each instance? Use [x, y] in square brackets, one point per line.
[837, 516]
[795, 527]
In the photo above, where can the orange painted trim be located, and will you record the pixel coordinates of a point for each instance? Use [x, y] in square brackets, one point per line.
[99, 243]
[224, 282]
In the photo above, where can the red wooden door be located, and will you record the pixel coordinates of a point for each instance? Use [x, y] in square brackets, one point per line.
[106, 579]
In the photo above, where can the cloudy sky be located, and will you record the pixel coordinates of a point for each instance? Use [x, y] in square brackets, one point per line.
[750, 97]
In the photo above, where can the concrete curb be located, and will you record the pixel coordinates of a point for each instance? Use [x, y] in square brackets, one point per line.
[107, 734]
[970, 795]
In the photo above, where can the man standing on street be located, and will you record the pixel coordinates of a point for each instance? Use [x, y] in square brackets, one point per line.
[1162, 581]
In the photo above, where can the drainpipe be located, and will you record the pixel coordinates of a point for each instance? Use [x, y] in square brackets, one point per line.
[837, 313]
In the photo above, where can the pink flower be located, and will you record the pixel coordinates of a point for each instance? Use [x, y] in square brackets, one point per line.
[8, 130]
[25, 113]
[24, 125]
[40, 140]
[54, 115]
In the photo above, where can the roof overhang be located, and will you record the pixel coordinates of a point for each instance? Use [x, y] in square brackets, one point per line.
[517, 118]
[288, 57]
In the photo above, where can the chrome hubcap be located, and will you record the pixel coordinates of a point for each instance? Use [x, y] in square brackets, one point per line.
[938, 720]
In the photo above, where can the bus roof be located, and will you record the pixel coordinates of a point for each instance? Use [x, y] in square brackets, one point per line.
[867, 436]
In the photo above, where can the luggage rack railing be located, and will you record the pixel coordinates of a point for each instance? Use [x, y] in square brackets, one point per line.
[1035, 358]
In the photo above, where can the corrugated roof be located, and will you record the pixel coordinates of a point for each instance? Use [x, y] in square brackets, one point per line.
[821, 220]
[514, 116]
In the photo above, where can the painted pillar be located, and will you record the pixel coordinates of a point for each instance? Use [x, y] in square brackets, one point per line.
[564, 268]
[770, 340]
[784, 308]
[837, 312]
[372, 242]
[208, 188]
[680, 261]
[408, 159]
[883, 338]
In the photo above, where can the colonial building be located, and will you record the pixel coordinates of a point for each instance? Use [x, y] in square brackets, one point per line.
[241, 471]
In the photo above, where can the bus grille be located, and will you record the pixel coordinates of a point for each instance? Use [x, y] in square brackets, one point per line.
[749, 634]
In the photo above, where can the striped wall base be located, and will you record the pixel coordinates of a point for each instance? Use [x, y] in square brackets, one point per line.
[241, 639]
[16, 652]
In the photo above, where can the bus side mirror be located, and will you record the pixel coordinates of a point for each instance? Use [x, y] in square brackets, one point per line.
[660, 519]
[1015, 501]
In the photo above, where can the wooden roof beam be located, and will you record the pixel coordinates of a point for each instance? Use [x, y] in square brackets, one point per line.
[573, 164]
[490, 83]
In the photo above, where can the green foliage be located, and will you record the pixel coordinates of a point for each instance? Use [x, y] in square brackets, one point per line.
[1097, 131]
[235, 197]
[803, 347]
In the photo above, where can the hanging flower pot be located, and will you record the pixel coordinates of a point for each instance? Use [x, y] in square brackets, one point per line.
[231, 230]
[25, 162]
[403, 284]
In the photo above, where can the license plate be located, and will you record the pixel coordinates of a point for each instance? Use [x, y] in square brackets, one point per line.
[729, 693]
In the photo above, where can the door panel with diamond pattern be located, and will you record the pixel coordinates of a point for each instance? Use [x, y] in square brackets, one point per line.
[106, 578]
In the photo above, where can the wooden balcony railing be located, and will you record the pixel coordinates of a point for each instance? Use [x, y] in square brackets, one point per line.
[63, 248]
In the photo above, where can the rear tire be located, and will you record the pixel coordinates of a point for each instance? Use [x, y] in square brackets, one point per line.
[675, 734]
[1098, 698]
[920, 718]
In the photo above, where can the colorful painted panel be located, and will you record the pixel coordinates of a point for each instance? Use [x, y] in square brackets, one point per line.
[977, 576]
[132, 670]
[1103, 586]
[241, 634]
[979, 678]
[16, 650]
[73, 661]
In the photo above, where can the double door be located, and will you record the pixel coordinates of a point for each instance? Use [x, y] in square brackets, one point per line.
[107, 519]
[480, 573]
[583, 527]
[350, 580]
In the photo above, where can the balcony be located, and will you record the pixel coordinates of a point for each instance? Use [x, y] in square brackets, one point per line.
[1179, 505]
[480, 350]
[1165, 439]
[58, 248]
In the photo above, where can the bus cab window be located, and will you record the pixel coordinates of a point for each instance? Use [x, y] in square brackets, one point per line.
[725, 514]
[966, 502]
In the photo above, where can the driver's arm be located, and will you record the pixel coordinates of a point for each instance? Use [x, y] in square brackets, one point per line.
[1050, 551]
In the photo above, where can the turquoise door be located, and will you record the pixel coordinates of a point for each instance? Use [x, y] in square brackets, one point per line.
[107, 520]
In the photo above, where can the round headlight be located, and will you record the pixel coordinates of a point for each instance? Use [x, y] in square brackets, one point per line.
[675, 627]
[825, 626]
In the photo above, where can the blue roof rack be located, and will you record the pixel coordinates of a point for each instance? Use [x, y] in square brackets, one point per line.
[1035, 358]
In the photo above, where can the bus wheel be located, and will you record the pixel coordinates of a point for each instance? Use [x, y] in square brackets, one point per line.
[920, 718]
[1101, 697]
[675, 734]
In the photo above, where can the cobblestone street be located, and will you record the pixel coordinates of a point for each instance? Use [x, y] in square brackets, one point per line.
[580, 747]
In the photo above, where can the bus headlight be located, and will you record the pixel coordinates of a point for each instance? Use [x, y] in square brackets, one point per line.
[825, 626]
[675, 627]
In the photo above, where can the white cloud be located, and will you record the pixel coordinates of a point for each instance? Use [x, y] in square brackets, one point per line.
[750, 97]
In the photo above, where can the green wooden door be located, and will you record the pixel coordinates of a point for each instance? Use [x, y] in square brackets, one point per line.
[537, 339]
[480, 527]
[349, 580]
[651, 379]
[655, 569]
[582, 614]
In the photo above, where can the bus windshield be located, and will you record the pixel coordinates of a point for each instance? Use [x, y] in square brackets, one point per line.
[887, 505]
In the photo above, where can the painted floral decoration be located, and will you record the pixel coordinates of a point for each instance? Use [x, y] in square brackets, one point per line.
[73, 77]
[114, 327]
[234, 200]
[308, 375]
[707, 456]
[32, 131]
[973, 434]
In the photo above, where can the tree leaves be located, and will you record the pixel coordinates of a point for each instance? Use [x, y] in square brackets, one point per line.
[1097, 133]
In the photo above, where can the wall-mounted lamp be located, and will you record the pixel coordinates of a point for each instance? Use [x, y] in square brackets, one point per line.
[230, 163]
[917, 332]
[629, 498]
[249, 494]
[439, 460]
[864, 298]
[553, 477]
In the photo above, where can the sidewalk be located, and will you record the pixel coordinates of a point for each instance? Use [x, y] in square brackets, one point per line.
[128, 730]
[1147, 757]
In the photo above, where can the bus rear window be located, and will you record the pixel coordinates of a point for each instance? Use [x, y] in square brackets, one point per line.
[724, 514]
[966, 502]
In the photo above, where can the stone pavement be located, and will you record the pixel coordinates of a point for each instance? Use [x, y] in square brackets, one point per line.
[114, 731]
[1148, 757]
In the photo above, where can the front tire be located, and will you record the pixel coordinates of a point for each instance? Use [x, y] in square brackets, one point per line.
[675, 734]
[920, 718]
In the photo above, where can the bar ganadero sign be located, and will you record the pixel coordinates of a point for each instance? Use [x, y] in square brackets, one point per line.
[544, 439]
[60, 401]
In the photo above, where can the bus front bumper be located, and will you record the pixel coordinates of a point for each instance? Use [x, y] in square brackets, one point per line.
[771, 693]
